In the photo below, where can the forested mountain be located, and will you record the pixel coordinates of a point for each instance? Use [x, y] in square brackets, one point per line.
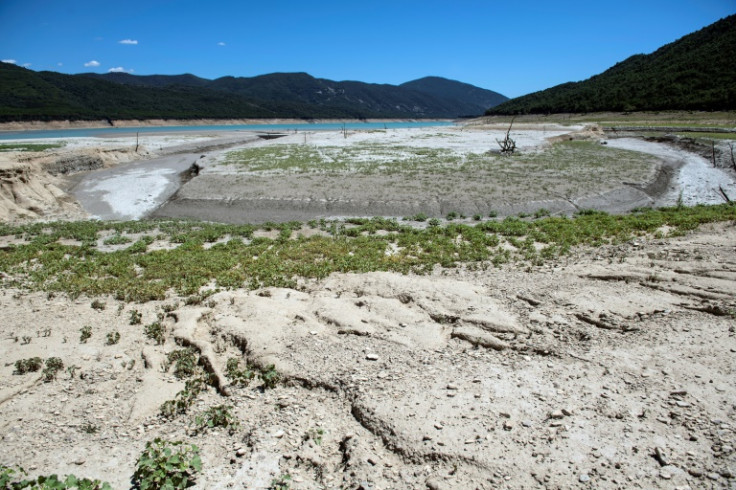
[30, 95]
[696, 72]
[466, 96]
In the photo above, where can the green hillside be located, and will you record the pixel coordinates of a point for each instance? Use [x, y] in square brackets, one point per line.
[696, 72]
[30, 95]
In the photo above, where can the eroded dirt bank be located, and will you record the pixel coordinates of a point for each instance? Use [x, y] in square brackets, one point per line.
[613, 368]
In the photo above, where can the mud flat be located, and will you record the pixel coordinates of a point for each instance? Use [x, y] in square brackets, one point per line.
[430, 171]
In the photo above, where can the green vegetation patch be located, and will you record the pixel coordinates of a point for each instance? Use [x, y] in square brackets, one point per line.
[29, 146]
[356, 245]
[571, 166]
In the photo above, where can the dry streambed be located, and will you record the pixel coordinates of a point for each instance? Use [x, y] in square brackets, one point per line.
[612, 368]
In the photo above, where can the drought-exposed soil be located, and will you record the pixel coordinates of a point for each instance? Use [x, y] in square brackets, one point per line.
[611, 369]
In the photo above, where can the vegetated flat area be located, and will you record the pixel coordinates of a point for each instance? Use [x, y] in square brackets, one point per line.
[480, 352]
[434, 171]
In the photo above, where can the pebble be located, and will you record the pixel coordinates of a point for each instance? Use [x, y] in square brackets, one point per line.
[279, 434]
[713, 476]
[682, 404]
[240, 452]
[438, 426]
[584, 478]
[452, 387]
[372, 357]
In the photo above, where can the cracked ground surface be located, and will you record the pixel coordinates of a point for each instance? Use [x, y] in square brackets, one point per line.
[613, 368]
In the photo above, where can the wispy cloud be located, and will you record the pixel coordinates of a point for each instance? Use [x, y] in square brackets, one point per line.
[93, 63]
[221, 43]
[128, 41]
[26, 65]
[59, 64]
[119, 69]
[9, 61]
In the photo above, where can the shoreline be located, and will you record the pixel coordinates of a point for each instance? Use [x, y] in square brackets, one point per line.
[144, 123]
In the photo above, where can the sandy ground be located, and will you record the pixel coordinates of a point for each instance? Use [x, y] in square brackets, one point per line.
[611, 369]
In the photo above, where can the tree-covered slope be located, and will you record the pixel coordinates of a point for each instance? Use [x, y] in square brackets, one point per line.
[472, 99]
[696, 72]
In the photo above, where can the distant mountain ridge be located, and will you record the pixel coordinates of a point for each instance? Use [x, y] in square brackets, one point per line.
[431, 97]
[28, 95]
[696, 72]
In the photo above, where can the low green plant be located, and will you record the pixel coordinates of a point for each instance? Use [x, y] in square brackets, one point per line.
[117, 239]
[89, 428]
[236, 375]
[185, 398]
[135, 317]
[217, 416]
[184, 361]
[270, 377]
[85, 333]
[14, 479]
[434, 223]
[281, 483]
[30, 365]
[315, 435]
[53, 366]
[167, 465]
[156, 332]
[98, 305]
[113, 337]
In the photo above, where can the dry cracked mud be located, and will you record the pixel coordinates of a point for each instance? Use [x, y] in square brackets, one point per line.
[613, 368]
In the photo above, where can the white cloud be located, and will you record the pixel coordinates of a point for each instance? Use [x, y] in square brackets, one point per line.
[221, 43]
[60, 64]
[26, 65]
[128, 41]
[93, 63]
[9, 61]
[119, 69]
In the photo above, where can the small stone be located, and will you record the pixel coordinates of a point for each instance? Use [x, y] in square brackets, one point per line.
[526, 423]
[695, 472]
[371, 357]
[240, 452]
[557, 414]
[713, 476]
[567, 412]
[682, 404]
[279, 434]
[427, 438]
[584, 478]
[312, 332]
[438, 426]
[452, 387]
[665, 476]
[508, 425]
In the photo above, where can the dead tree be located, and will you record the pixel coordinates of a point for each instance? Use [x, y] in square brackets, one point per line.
[733, 162]
[508, 146]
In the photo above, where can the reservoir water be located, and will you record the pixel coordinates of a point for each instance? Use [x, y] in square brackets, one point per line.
[288, 127]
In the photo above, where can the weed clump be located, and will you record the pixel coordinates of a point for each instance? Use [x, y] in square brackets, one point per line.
[53, 366]
[30, 365]
[167, 464]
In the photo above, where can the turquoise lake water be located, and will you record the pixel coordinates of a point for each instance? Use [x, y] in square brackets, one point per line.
[102, 132]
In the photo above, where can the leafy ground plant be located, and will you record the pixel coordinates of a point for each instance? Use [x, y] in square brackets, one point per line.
[236, 375]
[30, 365]
[113, 337]
[13, 478]
[218, 416]
[184, 361]
[156, 332]
[167, 464]
[53, 366]
[85, 333]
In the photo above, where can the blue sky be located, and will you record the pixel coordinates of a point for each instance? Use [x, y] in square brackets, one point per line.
[512, 47]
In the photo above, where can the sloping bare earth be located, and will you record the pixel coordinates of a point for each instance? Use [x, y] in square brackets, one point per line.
[611, 369]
